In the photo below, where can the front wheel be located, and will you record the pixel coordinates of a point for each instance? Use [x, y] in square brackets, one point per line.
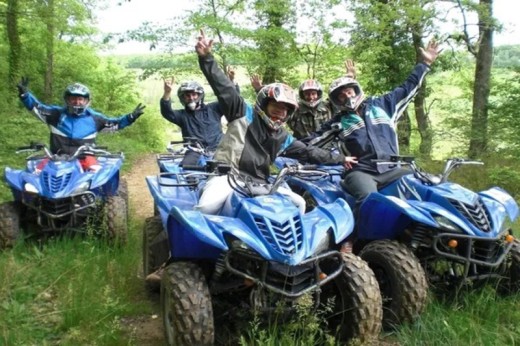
[356, 302]
[186, 306]
[116, 220]
[9, 224]
[511, 283]
[401, 279]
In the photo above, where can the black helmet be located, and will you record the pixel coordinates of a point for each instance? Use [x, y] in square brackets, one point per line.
[191, 86]
[310, 84]
[76, 89]
[278, 92]
[352, 103]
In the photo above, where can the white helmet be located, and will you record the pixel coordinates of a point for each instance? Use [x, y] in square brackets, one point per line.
[351, 103]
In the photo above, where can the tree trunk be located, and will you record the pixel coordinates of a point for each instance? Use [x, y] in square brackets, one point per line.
[479, 118]
[404, 130]
[13, 38]
[49, 69]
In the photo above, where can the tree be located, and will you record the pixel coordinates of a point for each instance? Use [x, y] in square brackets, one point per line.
[13, 38]
[386, 37]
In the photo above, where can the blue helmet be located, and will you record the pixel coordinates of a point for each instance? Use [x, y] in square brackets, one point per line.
[76, 89]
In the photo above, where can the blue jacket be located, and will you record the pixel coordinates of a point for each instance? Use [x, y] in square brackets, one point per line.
[69, 132]
[203, 123]
[370, 133]
[248, 145]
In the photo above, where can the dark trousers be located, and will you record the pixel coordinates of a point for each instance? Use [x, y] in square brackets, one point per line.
[360, 184]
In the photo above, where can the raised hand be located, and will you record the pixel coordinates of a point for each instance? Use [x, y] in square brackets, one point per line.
[351, 68]
[430, 54]
[230, 73]
[23, 86]
[137, 112]
[168, 83]
[256, 82]
[204, 45]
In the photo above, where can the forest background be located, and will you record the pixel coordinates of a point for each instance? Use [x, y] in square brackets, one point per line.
[467, 108]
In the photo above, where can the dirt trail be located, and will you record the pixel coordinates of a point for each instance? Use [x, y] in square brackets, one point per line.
[147, 330]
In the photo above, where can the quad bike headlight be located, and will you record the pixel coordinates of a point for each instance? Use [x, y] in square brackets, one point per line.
[447, 225]
[82, 187]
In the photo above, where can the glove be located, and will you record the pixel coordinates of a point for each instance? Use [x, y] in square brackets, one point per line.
[23, 86]
[137, 112]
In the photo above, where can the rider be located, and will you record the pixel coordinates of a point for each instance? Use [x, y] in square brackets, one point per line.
[74, 124]
[369, 127]
[312, 110]
[255, 135]
[197, 119]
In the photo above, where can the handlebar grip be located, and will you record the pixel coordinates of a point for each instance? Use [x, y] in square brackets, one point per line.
[177, 142]
[24, 148]
[309, 167]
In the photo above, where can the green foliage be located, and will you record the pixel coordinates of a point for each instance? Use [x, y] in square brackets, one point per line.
[507, 57]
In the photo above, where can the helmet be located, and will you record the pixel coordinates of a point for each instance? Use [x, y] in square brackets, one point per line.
[310, 84]
[350, 104]
[278, 92]
[76, 89]
[193, 87]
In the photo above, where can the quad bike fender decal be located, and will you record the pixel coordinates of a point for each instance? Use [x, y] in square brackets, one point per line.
[502, 197]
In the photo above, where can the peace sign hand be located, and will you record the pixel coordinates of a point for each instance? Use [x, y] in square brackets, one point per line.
[204, 45]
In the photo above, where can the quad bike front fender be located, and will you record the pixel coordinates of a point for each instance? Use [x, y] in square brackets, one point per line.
[14, 178]
[200, 230]
[385, 217]
[502, 197]
[109, 168]
[336, 216]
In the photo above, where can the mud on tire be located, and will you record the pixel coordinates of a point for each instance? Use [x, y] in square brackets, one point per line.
[116, 218]
[9, 224]
[186, 306]
[356, 302]
[401, 279]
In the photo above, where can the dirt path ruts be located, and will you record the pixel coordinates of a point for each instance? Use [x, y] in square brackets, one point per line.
[146, 330]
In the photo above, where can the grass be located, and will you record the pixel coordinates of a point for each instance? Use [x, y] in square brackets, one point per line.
[69, 291]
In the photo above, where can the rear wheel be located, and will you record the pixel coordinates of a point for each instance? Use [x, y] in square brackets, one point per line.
[9, 224]
[356, 302]
[152, 228]
[401, 279]
[122, 191]
[186, 306]
[116, 220]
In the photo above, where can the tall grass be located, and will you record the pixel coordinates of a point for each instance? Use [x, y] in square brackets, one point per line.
[69, 291]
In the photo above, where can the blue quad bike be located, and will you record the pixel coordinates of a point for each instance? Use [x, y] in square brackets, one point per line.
[61, 197]
[423, 226]
[259, 254]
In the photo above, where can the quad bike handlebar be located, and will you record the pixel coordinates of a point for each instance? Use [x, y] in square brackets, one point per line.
[87, 149]
[428, 178]
[188, 143]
